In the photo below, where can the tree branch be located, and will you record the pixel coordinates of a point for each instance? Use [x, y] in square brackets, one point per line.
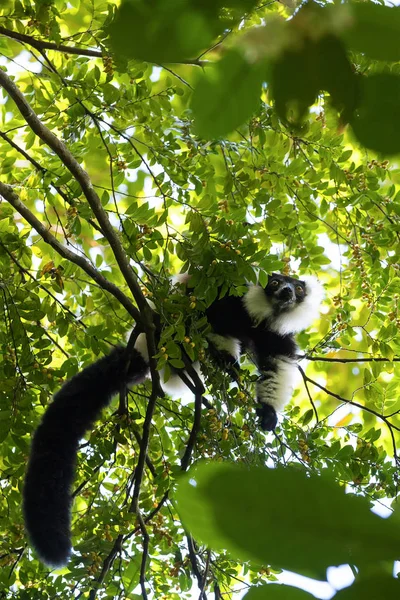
[107, 564]
[352, 402]
[348, 360]
[25, 272]
[195, 567]
[194, 431]
[91, 196]
[43, 171]
[83, 179]
[41, 45]
[117, 547]
[8, 193]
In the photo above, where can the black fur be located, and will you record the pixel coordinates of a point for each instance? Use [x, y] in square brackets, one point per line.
[50, 473]
[229, 317]
[267, 415]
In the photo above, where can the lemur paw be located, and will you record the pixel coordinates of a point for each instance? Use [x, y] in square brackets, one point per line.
[268, 418]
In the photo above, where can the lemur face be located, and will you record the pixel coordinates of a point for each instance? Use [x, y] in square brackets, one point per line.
[284, 293]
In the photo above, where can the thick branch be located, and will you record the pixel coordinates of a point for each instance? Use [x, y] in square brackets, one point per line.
[82, 178]
[193, 434]
[195, 566]
[41, 45]
[91, 196]
[25, 272]
[43, 170]
[118, 544]
[107, 564]
[143, 449]
[145, 554]
[8, 193]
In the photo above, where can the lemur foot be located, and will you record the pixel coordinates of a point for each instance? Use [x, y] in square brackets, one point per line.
[268, 418]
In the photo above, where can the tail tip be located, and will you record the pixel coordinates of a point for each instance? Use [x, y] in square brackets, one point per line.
[54, 553]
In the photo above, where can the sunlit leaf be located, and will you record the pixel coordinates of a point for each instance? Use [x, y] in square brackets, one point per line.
[271, 515]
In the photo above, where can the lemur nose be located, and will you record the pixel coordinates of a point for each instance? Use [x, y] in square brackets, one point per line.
[286, 293]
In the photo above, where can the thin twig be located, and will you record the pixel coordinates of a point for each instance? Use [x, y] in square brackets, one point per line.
[84, 181]
[195, 567]
[349, 360]
[203, 587]
[352, 402]
[107, 564]
[8, 193]
[308, 393]
[43, 171]
[193, 433]
[42, 287]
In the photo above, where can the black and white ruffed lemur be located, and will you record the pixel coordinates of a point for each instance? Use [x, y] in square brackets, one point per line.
[262, 322]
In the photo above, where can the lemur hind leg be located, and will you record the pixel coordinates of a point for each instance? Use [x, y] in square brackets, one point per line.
[274, 389]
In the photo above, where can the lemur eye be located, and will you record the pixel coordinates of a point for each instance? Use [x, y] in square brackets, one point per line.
[299, 289]
[274, 283]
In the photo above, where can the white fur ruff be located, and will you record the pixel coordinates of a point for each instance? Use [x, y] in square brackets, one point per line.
[256, 304]
[175, 387]
[181, 278]
[277, 389]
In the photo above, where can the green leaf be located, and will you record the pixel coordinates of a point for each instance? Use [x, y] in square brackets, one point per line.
[300, 74]
[374, 588]
[161, 32]
[374, 30]
[307, 417]
[376, 122]
[272, 515]
[276, 591]
[158, 31]
[226, 95]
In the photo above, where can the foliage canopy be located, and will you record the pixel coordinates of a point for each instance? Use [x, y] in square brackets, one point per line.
[231, 139]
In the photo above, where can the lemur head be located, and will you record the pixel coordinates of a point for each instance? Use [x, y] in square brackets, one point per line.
[288, 305]
[284, 293]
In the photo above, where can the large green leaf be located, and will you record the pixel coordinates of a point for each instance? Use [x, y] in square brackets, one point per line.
[226, 95]
[159, 31]
[277, 592]
[374, 30]
[313, 66]
[376, 122]
[283, 517]
[374, 588]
